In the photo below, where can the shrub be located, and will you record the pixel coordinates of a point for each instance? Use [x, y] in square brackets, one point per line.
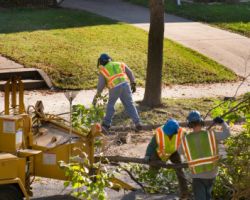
[234, 174]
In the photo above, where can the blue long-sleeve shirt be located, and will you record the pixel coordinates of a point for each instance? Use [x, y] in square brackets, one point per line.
[152, 146]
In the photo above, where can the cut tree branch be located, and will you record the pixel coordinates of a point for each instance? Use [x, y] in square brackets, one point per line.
[117, 159]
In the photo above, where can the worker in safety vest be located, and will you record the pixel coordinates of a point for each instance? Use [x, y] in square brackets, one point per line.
[115, 76]
[164, 145]
[201, 151]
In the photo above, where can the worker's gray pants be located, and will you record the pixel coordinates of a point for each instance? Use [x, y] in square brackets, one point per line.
[123, 92]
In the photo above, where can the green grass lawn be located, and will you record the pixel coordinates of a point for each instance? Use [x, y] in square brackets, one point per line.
[234, 17]
[66, 44]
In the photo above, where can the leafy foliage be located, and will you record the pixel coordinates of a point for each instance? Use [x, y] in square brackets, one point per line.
[162, 181]
[239, 109]
[83, 117]
[87, 182]
[234, 174]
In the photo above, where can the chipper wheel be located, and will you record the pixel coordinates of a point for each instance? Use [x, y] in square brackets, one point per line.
[10, 192]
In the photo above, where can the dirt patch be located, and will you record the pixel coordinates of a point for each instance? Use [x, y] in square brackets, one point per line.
[134, 147]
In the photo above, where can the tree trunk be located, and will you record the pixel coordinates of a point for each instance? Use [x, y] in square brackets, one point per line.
[152, 96]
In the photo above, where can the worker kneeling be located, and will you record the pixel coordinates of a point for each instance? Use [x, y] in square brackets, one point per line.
[201, 151]
[164, 145]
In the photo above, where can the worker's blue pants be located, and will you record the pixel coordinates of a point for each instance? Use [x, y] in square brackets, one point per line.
[123, 92]
[202, 188]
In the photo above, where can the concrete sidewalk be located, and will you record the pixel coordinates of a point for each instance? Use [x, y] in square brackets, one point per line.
[6, 63]
[227, 48]
[56, 102]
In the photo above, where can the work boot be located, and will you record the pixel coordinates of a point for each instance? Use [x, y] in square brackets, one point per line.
[185, 196]
[105, 129]
[138, 127]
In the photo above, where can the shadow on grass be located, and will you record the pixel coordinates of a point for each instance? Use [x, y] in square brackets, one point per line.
[33, 19]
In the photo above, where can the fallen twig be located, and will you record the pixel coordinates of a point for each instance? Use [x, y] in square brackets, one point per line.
[130, 175]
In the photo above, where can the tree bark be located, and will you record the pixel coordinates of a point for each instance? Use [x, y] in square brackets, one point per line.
[152, 96]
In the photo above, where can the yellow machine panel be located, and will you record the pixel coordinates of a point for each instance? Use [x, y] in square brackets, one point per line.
[11, 133]
[12, 167]
[8, 166]
[46, 164]
[21, 170]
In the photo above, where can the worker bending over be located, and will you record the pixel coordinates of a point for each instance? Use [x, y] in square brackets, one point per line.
[200, 148]
[115, 76]
[164, 145]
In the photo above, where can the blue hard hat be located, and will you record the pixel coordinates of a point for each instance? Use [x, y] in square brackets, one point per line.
[104, 59]
[194, 116]
[171, 127]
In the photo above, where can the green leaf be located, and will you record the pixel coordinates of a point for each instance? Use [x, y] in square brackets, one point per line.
[66, 183]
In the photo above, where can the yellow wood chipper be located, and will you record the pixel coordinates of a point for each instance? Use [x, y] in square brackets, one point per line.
[32, 143]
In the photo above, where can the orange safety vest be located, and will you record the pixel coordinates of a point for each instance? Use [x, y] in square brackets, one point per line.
[114, 73]
[167, 146]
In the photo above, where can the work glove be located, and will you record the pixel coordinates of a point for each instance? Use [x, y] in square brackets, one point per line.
[133, 87]
[218, 120]
[96, 97]
[147, 158]
[94, 102]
